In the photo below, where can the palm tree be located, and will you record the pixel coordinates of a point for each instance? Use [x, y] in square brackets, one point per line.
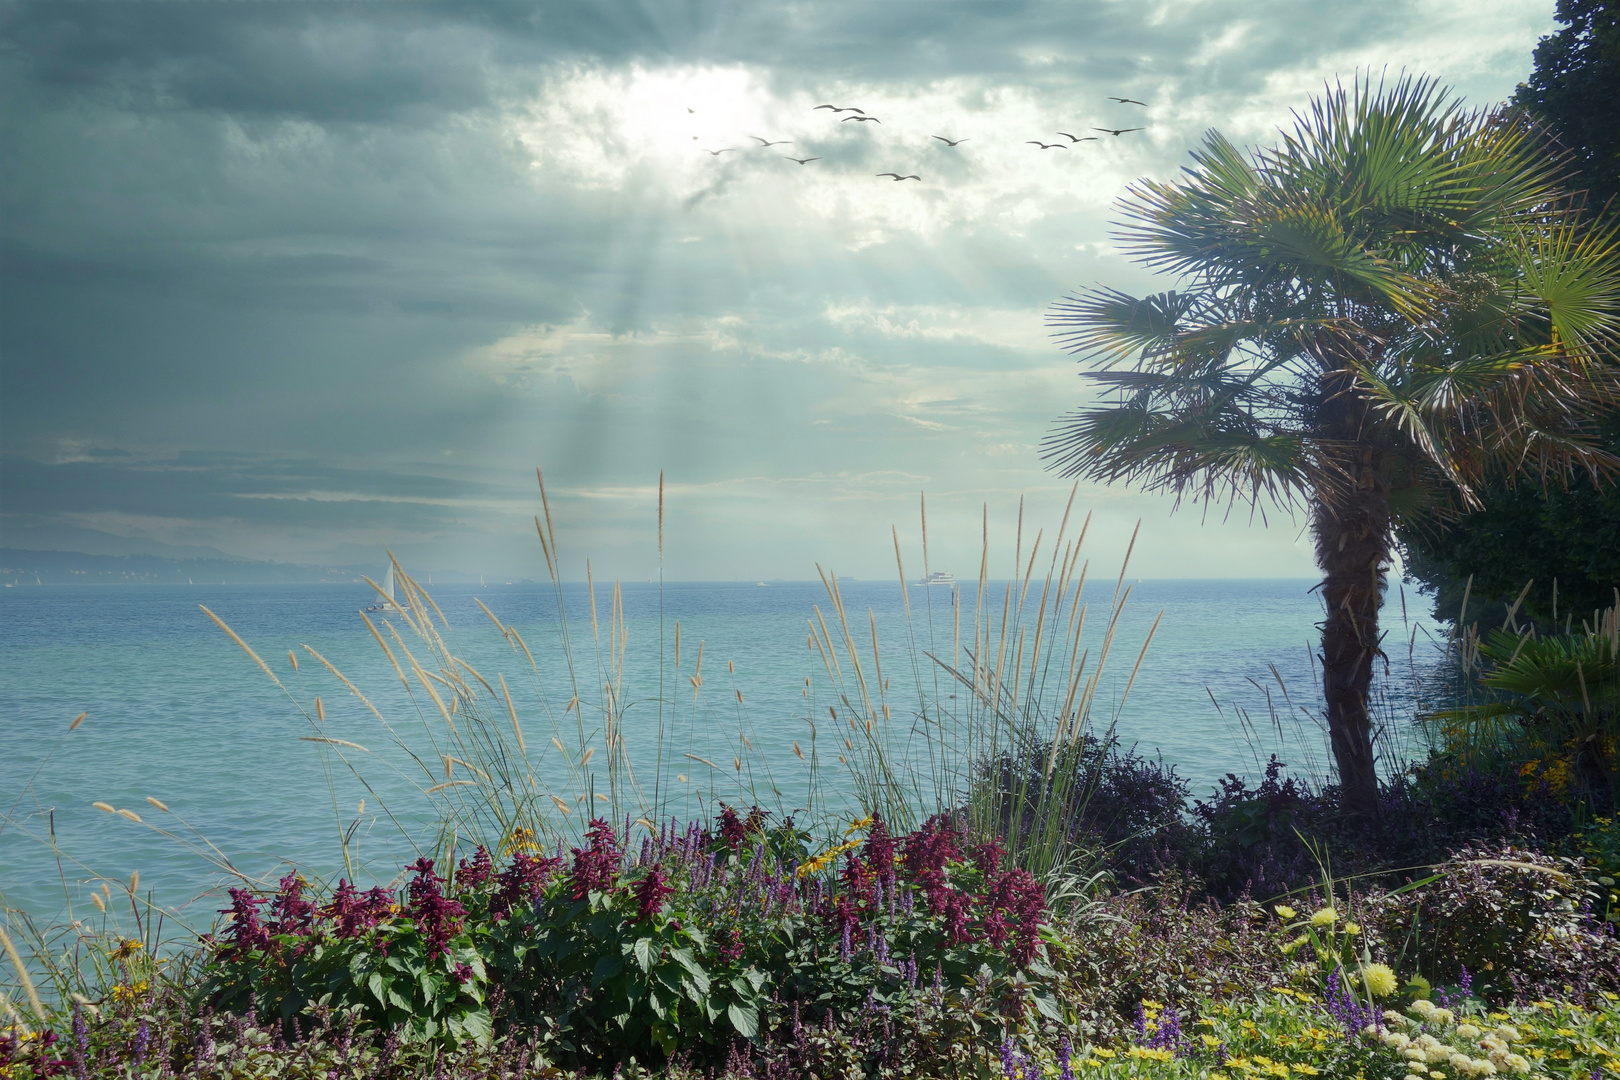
[1396, 302]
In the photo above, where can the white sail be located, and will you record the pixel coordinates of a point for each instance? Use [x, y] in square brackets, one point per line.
[388, 582]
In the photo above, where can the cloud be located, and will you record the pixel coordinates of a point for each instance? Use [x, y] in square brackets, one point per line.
[292, 277]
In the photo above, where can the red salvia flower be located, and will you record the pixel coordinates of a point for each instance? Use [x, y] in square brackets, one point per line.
[989, 856]
[1015, 897]
[247, 933]
[926, 852]
[290, 913]
[437, 917]
[354, 912]
[522, 880]
[880, 849]
[650, 893]
[732, 830]
[478, 871]
[597, 866]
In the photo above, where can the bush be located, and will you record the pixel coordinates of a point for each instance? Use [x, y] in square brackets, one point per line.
[1504, 923]
[1098, 798]
[1163, 945]
[701, 940]
[1264, 839]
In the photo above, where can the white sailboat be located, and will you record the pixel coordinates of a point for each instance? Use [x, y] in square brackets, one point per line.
[389, 604]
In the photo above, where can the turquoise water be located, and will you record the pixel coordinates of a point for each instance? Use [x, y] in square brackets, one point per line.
[179, 713]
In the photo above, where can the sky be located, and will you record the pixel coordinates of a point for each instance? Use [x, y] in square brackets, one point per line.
[299, 281]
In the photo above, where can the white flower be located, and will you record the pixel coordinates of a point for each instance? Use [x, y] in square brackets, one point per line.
[1508, 1034]
[1396, 1039]
[1493, 1044]
[1468, 1031]
[1517, 1063]
[1440, 1016]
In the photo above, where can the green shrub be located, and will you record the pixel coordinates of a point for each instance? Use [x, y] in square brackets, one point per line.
[1504, 922]
[702, 940]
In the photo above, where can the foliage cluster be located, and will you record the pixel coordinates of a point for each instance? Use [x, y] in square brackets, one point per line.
[1514, 923]
[677, 950]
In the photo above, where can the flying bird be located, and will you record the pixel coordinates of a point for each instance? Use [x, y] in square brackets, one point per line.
[874, 119]
[717, 153]
[766, 142]
[1128, 101]
[1078, 138]
[950, 142]
[690, 109]
[1116, 131]
[898, 177]
[1045, 145]
[835, 108]
[801, 160]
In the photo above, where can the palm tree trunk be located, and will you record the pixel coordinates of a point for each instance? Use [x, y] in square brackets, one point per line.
[1352, 528]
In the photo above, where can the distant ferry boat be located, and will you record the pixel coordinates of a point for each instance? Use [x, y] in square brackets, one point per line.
[938, 577]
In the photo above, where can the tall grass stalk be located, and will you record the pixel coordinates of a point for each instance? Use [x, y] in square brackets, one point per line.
[1022, 682]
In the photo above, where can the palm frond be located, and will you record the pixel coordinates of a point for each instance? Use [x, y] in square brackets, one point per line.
[1573, 269]
[1117, 326]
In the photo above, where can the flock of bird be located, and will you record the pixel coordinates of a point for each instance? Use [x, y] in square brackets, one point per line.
[863, 117]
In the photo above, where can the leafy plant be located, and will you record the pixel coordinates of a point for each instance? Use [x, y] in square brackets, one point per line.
[701, 939]
[1519, 922]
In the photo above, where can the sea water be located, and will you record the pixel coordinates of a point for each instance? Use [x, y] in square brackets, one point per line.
[179, 713]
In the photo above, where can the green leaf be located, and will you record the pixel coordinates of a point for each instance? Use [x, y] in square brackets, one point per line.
[378, 986]
[683, 956]
[745, 1018]
[644, 952]
[606, 968]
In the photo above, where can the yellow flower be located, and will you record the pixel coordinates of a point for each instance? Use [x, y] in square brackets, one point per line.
[1352, 928]
[1151, 1055]
[134, 990]
[1380, 980]
[1307, 1070]
[1326, 917]
[1285, 912]
[1103, 1052]
[519, 839]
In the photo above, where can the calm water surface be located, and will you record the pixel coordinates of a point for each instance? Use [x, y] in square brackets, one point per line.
[177, 712]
